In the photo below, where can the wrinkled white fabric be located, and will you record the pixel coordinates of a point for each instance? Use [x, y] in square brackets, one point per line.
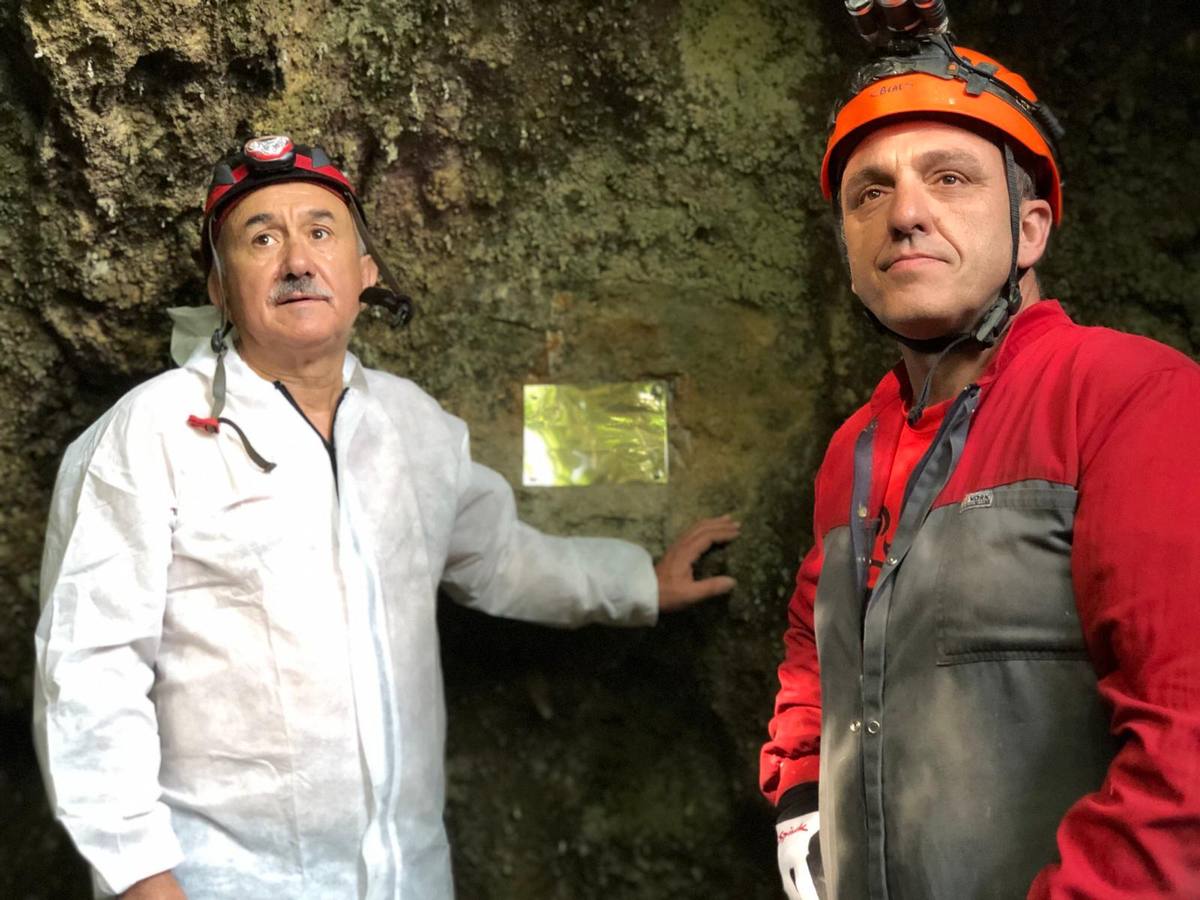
[192, 327]
[237, 671]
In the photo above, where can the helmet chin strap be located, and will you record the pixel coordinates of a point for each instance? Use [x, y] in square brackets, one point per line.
[989, 327]
[391, 298]
[215, 420]
[218, 337]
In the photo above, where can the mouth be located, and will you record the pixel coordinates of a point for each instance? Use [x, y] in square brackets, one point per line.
[289, 299]
[909, 261]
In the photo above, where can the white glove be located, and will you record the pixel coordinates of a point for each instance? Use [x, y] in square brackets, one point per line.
[801, 871]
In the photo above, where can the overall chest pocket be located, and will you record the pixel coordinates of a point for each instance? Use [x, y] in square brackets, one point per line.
[1004, 586]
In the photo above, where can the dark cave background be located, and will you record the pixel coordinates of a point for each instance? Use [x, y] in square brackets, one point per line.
[574, 191]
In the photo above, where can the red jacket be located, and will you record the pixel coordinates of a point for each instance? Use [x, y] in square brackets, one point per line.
[1094, 436]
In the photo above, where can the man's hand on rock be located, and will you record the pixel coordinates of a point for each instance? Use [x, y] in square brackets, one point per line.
[677, 584]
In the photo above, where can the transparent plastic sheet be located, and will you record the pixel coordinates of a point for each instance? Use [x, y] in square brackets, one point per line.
[595, 434]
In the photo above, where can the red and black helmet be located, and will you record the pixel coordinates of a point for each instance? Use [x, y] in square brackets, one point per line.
[262, 161]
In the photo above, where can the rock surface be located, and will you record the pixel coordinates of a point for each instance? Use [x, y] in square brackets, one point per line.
[574, 191]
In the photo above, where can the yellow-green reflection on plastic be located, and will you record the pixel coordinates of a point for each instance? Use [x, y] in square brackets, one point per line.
[595, 434]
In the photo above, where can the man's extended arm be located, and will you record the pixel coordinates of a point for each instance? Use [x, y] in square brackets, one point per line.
[1136, 567]
[103, 592]
[500, 565]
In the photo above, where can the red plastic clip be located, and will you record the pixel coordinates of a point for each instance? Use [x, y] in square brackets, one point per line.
[212, 426]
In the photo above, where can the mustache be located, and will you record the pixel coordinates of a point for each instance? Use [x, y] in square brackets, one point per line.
[304, 284]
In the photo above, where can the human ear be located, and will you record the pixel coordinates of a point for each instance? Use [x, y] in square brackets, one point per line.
[1036, 221]
[368, 270]
[215, 294]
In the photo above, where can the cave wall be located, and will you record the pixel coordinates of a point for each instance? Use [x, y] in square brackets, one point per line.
[573, 191]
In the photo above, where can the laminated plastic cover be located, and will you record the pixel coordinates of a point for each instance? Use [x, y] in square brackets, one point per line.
[595, 434]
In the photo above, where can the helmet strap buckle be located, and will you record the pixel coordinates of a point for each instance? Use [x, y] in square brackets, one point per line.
[978, 77]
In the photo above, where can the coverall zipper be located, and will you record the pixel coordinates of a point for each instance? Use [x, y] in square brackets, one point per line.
[930, 475]
[329, 445]
[386, 819]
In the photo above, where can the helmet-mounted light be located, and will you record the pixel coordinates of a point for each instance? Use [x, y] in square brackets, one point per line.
[262, 161]
[265, 154]
[882, 21]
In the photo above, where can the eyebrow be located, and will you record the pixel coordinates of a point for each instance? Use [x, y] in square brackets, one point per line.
[268, 218]
[931, 159]
[960, 159]
[863, 177]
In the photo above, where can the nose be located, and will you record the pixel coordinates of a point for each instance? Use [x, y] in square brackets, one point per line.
[909, 211]
[297, 257]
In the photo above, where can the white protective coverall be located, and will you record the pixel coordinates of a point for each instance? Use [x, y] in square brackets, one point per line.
[238, 674]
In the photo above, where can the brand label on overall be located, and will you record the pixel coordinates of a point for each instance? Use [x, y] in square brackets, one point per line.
[976, 500]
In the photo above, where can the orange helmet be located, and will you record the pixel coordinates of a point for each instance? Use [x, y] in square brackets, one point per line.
[953, 82]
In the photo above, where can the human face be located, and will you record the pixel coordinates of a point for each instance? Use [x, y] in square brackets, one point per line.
[292, 275]
[925, 215]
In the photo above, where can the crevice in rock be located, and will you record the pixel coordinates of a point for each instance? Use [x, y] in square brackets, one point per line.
[160, 73]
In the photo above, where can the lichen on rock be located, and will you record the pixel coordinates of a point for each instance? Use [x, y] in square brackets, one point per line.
[573, 191]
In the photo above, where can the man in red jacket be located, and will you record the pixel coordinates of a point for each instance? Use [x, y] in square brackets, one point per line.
[992, 678]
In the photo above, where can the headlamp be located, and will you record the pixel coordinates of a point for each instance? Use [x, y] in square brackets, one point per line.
[882, 21]
[265, 160]
[269, 154]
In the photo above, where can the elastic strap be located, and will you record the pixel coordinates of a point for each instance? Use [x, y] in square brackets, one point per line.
[220, 347]
[388, 278]
[213, 426]
[259, 460]
[922, 401]
[992, 324]
[920, 345]
[222, 332]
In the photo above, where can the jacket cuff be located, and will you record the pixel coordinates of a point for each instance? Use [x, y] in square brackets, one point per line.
[626, 578]
[645, 591]
[143, 846]
[798, 801]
